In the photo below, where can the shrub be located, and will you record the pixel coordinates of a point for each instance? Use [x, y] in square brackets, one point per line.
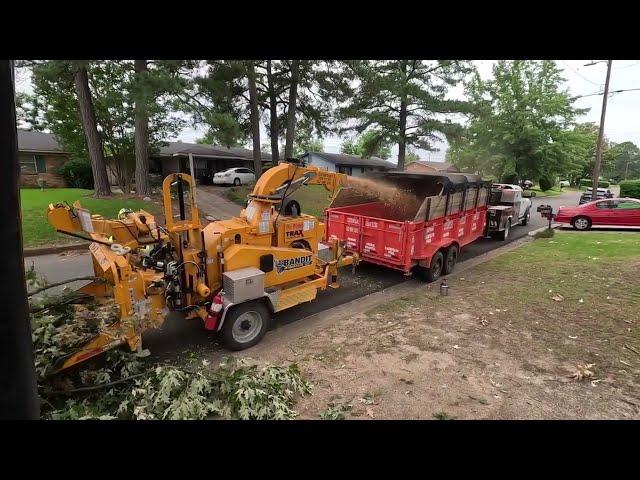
[510, 179]
[545, 184]
[155, 181]
[77, 173]
[630, 188]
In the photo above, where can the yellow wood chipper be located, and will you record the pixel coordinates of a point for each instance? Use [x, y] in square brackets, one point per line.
[233, 274]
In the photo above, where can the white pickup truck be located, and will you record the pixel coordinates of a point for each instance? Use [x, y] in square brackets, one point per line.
[509, 205]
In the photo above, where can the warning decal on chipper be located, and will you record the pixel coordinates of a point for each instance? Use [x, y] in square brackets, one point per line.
[292, 263]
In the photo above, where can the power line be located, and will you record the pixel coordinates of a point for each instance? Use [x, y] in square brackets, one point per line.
[628, 66]
[584, 78]
[610, 93]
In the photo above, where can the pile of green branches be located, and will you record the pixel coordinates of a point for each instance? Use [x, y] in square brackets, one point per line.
[128, 388]
[120, 385]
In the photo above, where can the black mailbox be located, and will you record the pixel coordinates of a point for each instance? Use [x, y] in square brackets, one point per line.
[546, 211]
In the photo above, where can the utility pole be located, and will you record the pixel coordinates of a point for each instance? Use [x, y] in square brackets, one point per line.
[596, 167]
[18, 391]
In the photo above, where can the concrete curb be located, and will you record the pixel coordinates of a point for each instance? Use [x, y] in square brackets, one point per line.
[292, 331]
[34, 252]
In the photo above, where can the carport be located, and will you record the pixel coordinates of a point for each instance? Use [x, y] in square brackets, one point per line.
[207, 159]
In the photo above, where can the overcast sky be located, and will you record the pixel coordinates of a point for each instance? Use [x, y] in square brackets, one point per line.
[622, 121]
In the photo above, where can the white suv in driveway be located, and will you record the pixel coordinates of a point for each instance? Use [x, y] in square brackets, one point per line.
[234, 176]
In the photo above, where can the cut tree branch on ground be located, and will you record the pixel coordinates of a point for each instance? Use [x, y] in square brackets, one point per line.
[94, 387]
[64, 299]
[57, 284]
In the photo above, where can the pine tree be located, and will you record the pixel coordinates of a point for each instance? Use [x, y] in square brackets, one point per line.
[255, 117]
[405, 101]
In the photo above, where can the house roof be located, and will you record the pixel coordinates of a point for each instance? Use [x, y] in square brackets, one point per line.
[211, 151]
[352, 160]
[32, 141]
[439, 166]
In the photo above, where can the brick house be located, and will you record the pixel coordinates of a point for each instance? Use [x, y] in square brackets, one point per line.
[422, 166]
[39, 154]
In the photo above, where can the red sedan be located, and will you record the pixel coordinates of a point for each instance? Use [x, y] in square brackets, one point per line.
[610, 212]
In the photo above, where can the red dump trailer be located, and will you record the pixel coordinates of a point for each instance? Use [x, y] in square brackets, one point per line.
[421, 229]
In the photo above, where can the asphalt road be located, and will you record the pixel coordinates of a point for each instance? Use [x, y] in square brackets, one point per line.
[178, 335]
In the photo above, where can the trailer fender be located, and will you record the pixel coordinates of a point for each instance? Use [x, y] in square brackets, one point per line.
[225, 308]
[426, 262]
[270, 299]
[452, 244]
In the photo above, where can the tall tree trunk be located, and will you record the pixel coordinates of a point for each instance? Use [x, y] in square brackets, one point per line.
[88, 117]
[402, 142]
[143, 189]
[273, 116]
[255, 118]
[402, 120]
[291, 114]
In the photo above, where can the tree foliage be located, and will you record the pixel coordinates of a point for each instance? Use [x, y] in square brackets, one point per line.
[412, 156]
[405, 102]
[622, 161]
[369, 144]
[521, 125]
[53, 107]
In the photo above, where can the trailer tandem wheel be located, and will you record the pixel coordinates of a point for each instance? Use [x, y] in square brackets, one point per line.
[433, 272]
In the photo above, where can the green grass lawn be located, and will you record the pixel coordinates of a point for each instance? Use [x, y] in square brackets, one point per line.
[36, 231]
[313, 199]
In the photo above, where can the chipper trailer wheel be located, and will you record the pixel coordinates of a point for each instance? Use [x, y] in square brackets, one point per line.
[245, 325]
[433, 272]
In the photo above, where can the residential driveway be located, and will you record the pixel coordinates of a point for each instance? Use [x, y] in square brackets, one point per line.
[212, 202]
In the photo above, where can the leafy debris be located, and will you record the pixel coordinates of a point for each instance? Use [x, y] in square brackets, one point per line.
[583, 371]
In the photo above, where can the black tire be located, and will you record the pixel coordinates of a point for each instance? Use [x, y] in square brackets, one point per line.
[526, 218]
[237, 182]
[450, 259]
[433, 272]
[292, 208]
[581, 223]
[240, 320]
[504, 234]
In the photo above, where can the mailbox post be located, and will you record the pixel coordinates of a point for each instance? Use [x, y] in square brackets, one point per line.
[546, 211]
